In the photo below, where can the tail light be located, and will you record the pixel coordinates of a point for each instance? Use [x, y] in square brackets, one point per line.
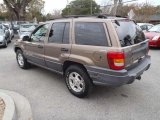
[116, 60]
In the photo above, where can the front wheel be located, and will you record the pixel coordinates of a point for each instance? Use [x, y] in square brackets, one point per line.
[5, 44]
[21, 60]
[78, 82]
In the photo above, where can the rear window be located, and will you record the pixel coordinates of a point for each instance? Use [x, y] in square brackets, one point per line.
[128, 32]
[90, 34]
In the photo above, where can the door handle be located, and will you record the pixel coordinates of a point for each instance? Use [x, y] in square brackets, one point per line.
[64, 49]
[40, 46]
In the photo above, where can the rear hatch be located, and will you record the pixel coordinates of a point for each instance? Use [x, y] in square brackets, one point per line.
[132, 40]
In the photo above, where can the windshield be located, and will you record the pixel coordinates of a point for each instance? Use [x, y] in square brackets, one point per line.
[128, 32]
[155, 29]
[7, 26]
[27, 28]
[1, 32]
[15, 25]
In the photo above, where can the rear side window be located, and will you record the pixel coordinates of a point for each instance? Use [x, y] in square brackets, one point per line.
[90, 34]
[128, 32]
[59, 33]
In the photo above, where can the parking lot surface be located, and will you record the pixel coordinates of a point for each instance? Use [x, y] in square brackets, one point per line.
[50, 99]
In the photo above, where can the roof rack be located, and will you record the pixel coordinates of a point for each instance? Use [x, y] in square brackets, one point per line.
[103, 16]
[77, 16]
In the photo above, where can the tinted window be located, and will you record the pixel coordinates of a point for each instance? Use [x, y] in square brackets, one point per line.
[129, 33]
[59, 33]
[90, 34]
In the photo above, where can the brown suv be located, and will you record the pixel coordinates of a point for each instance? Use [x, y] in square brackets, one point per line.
[87, 51]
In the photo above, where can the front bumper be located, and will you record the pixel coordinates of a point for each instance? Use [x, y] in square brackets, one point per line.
[107, 77]
[2, 43]
[154, 43]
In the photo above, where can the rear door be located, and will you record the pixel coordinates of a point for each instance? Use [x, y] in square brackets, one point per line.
[58, 47]
[91, 42]
[132, 40]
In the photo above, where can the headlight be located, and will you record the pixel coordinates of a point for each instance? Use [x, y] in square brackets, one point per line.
[1, 38]
[21, 36]
[155, 38]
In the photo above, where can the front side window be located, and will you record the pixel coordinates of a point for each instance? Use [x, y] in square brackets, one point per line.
[39, 34]
[59, 33]
[90, 34]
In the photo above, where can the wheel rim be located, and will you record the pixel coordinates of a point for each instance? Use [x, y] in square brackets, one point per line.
[76, 82]
[20, 59]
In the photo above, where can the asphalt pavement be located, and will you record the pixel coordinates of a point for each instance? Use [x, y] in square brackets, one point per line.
[50, 99]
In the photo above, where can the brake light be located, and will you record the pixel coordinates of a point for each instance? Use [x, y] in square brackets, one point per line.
[116, 60]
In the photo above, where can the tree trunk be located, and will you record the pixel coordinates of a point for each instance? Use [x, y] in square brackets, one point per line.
[19, 8]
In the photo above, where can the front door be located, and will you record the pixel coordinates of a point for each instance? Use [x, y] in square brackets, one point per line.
[35, 47]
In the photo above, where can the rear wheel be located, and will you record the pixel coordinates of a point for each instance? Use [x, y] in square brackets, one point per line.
[21, 60]
[78, 81]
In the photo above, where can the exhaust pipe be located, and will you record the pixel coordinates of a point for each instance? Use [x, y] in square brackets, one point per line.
[138, 78]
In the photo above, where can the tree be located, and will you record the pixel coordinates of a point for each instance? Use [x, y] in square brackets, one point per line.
[142, 12]
[35, 9]
[56, 14]
[116, 7]
[81, 7]
[18, 7]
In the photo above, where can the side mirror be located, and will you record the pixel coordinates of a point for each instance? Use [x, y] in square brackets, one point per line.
[51, 33]
[25, 38]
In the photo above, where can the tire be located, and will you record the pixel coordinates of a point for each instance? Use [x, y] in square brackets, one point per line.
[21, 60]
[10, 38]
[78, 81]
[6, 44]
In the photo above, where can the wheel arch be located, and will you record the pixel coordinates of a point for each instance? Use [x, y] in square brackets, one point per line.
[17, 48]
[68, 63]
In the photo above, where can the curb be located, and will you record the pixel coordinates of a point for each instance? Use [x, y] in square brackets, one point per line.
[22, 106]
[9, 112]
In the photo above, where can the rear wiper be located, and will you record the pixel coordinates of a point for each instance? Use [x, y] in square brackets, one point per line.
[127, 40]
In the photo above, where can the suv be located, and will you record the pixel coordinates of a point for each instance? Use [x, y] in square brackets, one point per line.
[87, 51]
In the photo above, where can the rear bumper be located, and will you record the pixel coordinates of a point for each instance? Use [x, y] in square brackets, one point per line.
[107, 77]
